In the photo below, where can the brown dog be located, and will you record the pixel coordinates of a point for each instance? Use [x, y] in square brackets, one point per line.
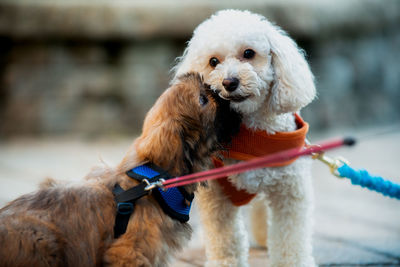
[72, 225]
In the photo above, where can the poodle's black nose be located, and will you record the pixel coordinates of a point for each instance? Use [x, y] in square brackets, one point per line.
[230, 84]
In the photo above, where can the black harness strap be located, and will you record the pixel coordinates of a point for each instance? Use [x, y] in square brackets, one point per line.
[175, 202]
[126, 205]
[126, 199]
[132, 194]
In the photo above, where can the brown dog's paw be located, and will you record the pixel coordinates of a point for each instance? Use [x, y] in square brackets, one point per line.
[125, 256]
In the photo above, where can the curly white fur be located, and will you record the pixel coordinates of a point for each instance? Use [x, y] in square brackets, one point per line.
[273, 84]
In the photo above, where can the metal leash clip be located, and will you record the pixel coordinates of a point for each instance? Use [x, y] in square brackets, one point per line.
[333, 163]
[153, 185]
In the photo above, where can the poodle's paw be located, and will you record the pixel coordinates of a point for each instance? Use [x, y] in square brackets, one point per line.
[285, 262]
[227, 262]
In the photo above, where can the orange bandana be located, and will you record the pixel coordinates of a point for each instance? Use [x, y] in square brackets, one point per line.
[252, 144]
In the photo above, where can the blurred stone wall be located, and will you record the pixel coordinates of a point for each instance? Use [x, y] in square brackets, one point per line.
[95, 68]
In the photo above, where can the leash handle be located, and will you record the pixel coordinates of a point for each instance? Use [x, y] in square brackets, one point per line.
[257, 163]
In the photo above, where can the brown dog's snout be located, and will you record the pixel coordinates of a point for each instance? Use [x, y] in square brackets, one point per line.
[230, 84]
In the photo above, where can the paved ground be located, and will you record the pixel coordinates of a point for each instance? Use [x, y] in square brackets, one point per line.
[353, 227]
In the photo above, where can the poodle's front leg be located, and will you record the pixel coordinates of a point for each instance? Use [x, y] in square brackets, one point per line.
[259, 221]
[290, 233]
[225, 235]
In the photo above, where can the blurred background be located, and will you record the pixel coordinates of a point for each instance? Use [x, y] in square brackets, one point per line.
[94, 68]
[77, 78]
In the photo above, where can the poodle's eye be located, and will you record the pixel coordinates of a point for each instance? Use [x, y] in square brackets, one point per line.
[203, 100]
[214, 62]
[249, 53]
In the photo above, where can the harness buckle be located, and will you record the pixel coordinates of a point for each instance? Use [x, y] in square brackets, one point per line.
[125, 208]
[153, 185]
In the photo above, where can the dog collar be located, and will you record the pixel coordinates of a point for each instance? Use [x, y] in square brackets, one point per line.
[250, 144]
[175, 202]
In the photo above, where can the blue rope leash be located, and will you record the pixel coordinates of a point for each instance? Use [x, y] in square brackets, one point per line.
[375, 183]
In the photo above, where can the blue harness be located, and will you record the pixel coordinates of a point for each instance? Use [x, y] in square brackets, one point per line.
[175, 202]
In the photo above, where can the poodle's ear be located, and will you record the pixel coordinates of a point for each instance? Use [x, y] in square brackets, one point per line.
[293, 86]
[182, 65]
[177, 69]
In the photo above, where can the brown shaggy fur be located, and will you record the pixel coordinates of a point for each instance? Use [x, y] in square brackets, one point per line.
[72, 224]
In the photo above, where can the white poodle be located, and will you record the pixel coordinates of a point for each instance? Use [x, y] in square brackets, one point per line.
[253, 63]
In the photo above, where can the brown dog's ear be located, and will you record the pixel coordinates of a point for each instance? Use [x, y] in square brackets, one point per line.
[173, 127]
[161, 138]
[159, 144]
[293, 86]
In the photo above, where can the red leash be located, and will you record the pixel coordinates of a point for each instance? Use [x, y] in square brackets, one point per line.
[256, 163]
